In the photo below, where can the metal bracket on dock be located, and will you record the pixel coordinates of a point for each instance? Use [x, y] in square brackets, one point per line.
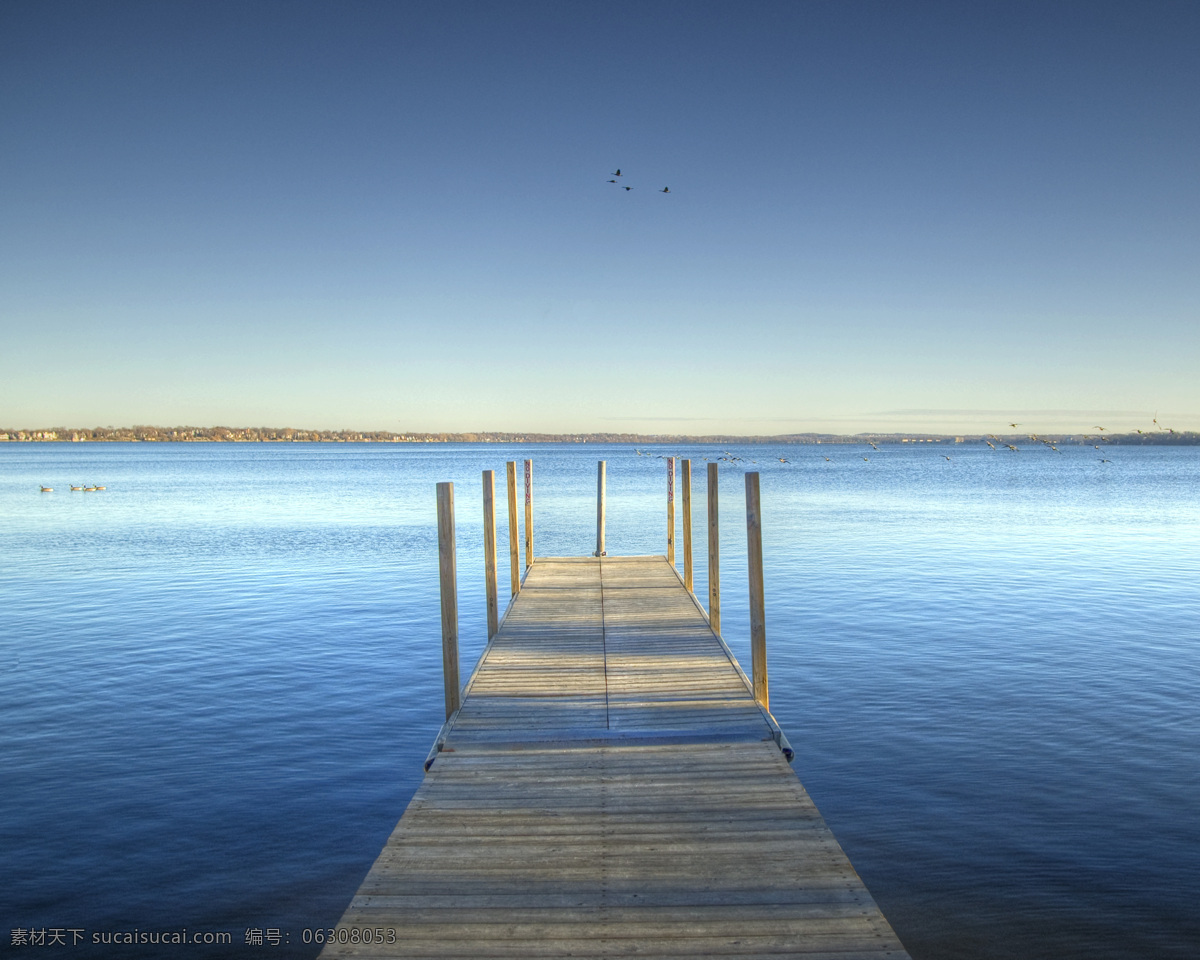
[440, 740]
[784, 746]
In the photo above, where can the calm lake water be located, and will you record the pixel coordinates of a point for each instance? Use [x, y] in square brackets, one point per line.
[222, 674]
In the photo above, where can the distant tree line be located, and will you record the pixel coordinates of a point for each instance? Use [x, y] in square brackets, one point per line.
[294, 435]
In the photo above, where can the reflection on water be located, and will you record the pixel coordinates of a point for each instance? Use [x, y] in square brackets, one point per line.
[222, 674]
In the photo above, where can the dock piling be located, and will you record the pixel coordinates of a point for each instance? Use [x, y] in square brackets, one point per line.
[714, 554]
[514, 539]
[449, 591]
[489, 551]
[754, 560]
[671, 511]
[686, 477]
[528, 514]
[600, 467]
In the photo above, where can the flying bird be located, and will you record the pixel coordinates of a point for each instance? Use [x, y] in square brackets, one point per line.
[1011, 447]
[1014, 425]
[618, 173]
[990, 444]
[665, 190]
[629, 188]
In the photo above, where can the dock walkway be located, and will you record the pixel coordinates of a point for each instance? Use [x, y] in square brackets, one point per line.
[609, 787]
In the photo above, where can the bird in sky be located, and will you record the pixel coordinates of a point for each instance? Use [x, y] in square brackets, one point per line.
[990, 444]
[629, 188]
[1011, 447]
[612, 181]
[618, 173]
[1101, 429]
[665, 190]
[1014, 425]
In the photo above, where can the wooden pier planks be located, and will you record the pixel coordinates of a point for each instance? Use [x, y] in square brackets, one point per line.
[609, 788]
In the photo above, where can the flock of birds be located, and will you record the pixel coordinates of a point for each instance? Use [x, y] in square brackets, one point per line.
[1101, 436]
[623, 186]
[82, 489]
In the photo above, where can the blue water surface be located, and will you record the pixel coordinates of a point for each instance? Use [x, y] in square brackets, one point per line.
[223, 672]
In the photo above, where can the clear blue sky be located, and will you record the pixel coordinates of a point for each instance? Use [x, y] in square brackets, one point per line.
[882, 215]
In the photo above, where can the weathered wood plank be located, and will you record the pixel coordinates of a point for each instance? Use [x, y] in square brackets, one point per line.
[609, 787]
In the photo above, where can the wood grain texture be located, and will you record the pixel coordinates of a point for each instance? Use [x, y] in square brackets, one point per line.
[448, 577]
[528, 513]
[491, 588]
[714, 552]
[686, 495]
[754, 563]
[671, 511]
[600, 469]
[514, 542]
[610, 788]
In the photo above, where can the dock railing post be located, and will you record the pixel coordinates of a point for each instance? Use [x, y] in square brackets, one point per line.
[514, 537]
[671, 511]
[686, 477]
[489, 551]
[714, 554]
[600, 466]
[449, 589]
[528, 514]
[754, 559]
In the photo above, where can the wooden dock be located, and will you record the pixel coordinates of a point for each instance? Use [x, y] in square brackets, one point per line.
[610, 787]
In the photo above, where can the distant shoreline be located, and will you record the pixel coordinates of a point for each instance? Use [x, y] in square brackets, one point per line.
[145, 434]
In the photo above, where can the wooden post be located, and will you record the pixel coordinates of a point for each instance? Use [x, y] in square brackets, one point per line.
[714, 554]
[449, 583]
[671, 511]
[528, 513]
[489, 551]
[600, 552]
[687, 523]
[758, 626]
[514, 538]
